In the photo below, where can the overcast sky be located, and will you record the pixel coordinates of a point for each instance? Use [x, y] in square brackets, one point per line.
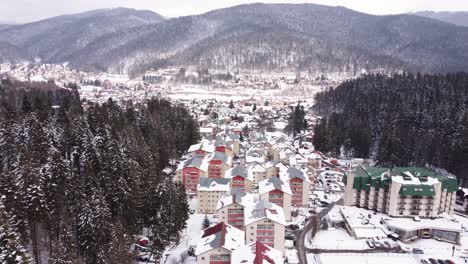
[20, 11]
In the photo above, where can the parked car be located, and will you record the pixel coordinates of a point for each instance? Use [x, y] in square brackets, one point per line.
[293, 227]
[289, 237]
[423, 261]
[418, 251]
[370, 244]
[378, 244]
[440, 261]
[433, 261]
[448, 261]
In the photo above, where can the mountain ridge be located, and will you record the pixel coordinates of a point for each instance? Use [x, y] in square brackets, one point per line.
[259, 36]
[459, 18]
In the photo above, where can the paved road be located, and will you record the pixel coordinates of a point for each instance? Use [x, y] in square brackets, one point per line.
[301, 234]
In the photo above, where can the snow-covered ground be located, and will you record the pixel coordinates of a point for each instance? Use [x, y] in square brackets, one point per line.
[291, 254]
[190, 92]
[351, 258]
[335, 239]
[190, 237]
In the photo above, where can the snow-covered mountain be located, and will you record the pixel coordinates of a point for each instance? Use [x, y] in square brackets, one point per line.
[57, 38]
[457, 18]
[256, 36]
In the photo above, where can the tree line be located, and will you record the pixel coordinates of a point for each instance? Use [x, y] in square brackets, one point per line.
[79, 182]
[400, 120]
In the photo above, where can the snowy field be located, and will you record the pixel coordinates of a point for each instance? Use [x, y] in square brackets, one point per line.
[335, 239]
[191, 92]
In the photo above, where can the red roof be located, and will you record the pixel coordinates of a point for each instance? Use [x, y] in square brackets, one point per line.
[261, 253]
[221, 227]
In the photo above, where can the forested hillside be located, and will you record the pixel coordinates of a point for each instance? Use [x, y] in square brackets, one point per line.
[267, 37]
[401, 120]
[78, 183]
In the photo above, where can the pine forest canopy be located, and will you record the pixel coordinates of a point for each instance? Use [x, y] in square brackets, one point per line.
[402, 120]
[85, 181]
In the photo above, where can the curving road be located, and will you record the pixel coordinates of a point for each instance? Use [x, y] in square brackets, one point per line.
[301, 234]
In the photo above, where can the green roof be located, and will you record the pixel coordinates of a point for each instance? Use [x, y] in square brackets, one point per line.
[420, 189]
[374, 176]
[449, 181]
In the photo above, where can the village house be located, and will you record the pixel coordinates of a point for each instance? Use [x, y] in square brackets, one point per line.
[217, 244]
[278, 192]
[210, 190]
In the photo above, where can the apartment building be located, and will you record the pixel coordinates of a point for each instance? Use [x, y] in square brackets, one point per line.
[300, 186]
[231, 208]
[275, 168]
[217, 244]
[240, 179]
[210, 190]
[402, 192]
[190, 171]
[218, 164]
[257, 172]
[265, 222]
[223, 146]
[278, 192]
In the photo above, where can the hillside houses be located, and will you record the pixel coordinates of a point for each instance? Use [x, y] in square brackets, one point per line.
[249, 179]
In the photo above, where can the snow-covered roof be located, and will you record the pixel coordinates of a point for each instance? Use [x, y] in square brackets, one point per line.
[221, 235]
[241, 198]
[220, 156]
[206, 130]
[213, 184]
[363, 226]
[256, 167]
[273, 183]
[293, 173]
[264, 209]
[256, 253]
[196, 161]
[202, 146]
[238, 170]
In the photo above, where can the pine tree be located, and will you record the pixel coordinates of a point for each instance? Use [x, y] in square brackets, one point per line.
[11, 249]
[206, 222]
[231, 105]
[254, 108]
